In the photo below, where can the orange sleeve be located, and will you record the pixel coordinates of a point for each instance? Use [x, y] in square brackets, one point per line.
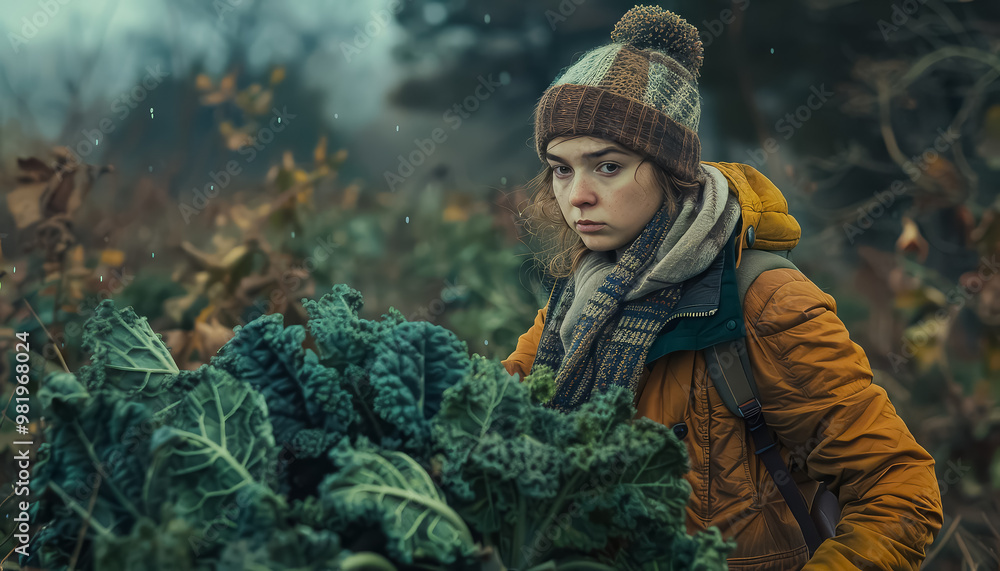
[817, 395]
[523, 357]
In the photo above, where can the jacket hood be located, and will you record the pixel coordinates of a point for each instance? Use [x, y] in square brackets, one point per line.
[764, 208]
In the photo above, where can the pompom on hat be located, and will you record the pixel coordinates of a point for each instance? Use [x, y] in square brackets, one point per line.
[640, 91]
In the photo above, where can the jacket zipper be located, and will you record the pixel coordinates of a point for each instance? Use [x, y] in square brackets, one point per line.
[698, 314]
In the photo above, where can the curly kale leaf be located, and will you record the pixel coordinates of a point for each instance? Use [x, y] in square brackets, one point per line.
[309, 405]
[541, 383]
[268, 356]
[128, 359]
[625, 483]
[394, 370]
[496, 473]
[218, 442]
[95, 448]
[342, 337]
[269, 535]
[705, 550]
[301, 393]
[486, 399]
[416, 362]
[389, 493]
[150, 545]
[541, 484]
[63, 396]
[298, 547]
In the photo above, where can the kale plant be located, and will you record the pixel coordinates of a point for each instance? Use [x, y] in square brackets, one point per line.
[387, 447]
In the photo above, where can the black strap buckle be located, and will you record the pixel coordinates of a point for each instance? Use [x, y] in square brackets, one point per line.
[754, 419]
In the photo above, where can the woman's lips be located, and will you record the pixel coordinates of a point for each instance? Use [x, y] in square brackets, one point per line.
[589, 227]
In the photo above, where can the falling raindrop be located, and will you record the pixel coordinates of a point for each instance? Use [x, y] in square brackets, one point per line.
[96, 142]
[153, 255]
[503, 180]
[486, 18]
[293, 233]
[335, 115]
[150, 112]
[772, 50]
[486, 342]
[279, 119]
[102, 279]
[150, 168]
[407, 219]
[397, 128]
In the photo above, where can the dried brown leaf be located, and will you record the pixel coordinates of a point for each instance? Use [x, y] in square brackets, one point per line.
[203, 82]
[59, 195]
[277, 75]
[212, 335]
[24, 204]
[319, 153]
[33, 170]
[910, 240]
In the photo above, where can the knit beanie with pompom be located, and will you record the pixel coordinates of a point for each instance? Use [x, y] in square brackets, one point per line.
[640, 91]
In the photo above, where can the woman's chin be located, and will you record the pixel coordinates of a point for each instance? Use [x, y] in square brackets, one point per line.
[598, 243]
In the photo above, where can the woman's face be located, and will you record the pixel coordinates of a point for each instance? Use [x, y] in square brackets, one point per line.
[605, 194]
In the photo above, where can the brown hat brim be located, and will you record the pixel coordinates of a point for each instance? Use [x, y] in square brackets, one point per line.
[570, 109]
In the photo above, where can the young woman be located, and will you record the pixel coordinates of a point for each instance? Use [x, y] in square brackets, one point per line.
[646, 237]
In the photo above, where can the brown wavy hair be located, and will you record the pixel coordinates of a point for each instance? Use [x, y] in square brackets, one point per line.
[563, 248]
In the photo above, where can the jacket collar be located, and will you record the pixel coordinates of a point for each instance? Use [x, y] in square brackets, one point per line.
[709, 311]
[702, 292]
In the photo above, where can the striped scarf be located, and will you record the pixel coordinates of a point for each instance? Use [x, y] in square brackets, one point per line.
[611, 339]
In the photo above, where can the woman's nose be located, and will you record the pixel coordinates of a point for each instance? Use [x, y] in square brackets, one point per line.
[581, 192]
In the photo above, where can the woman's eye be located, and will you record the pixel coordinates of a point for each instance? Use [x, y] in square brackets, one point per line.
[558, 172]
[614, 168]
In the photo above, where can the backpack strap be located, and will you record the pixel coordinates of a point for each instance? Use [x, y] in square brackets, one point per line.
[729, 368]
[737, 386]
[755, 262]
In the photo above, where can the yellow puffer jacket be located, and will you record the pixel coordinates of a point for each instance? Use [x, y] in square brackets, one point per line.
[831, 422]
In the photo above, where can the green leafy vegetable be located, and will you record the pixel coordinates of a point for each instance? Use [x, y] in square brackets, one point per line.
[540, 483]
[388, 447]
[391, 490]
[218, 442]
[128, 358]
